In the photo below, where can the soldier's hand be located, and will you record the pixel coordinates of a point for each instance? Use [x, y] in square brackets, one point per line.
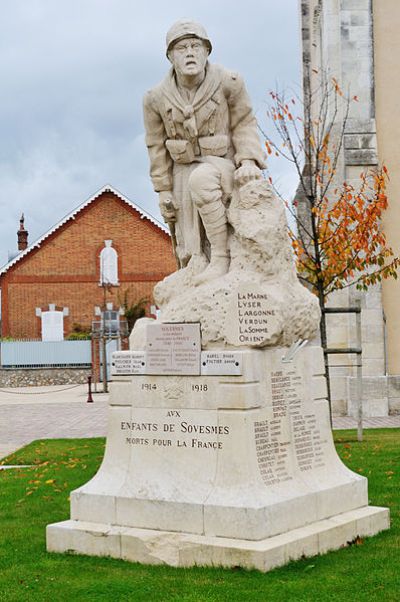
[167, 206]
[247, 172]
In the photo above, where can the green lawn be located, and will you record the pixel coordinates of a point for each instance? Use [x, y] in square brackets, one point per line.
[30, 498]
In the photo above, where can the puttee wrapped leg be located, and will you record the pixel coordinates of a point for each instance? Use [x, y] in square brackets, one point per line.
[206, 193]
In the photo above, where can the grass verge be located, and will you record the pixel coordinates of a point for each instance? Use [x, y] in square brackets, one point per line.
[30, 498]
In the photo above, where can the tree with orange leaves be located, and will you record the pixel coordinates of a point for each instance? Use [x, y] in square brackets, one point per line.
[337, 238]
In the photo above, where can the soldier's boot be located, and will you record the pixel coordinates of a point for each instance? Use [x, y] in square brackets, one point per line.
[214, 220]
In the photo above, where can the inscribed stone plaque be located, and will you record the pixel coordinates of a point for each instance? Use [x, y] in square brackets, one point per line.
[221, 363]
[128, 362]
[173, 349]
[272, 441]
[289, 401]
[254, 317]
[175, 428]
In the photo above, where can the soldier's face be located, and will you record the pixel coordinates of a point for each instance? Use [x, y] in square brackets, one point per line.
[189, 56]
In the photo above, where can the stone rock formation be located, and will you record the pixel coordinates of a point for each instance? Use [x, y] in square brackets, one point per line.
[261, 280]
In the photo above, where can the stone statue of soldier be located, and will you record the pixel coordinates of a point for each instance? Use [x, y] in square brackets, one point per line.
[202, 141]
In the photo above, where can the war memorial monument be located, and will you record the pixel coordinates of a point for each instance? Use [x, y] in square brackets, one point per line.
[219, 449]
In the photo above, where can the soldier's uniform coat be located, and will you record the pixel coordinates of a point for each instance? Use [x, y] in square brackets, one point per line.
[218, 123]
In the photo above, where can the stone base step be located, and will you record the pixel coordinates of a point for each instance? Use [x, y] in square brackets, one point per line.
[185, 550]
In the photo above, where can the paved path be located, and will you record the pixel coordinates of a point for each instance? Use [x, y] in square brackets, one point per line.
[49, 412]
[57, 412]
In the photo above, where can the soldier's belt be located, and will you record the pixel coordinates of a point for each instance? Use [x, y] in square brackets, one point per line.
[182, 151]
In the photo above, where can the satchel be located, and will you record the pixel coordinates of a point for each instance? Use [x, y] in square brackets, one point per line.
[181, 151]
[216, 146]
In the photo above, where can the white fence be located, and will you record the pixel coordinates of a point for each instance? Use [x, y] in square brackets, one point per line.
[42, 354]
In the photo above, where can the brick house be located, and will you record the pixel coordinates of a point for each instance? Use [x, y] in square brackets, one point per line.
[59, 275]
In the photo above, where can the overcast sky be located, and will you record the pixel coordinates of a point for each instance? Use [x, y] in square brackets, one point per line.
[73, 75]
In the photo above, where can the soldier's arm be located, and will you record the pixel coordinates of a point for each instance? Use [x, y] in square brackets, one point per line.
[160, 159]
[243, 123]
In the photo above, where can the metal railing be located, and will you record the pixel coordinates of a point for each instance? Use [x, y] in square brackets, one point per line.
[350, 350]
[43, 354]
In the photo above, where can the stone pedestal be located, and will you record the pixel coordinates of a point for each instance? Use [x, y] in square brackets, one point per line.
[220, 470]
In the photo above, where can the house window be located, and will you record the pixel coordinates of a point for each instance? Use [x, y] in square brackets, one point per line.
[108, 264]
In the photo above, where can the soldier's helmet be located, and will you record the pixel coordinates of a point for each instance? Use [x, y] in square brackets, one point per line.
[186, 29]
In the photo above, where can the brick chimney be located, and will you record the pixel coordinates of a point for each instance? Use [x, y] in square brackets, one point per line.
[22, 235]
